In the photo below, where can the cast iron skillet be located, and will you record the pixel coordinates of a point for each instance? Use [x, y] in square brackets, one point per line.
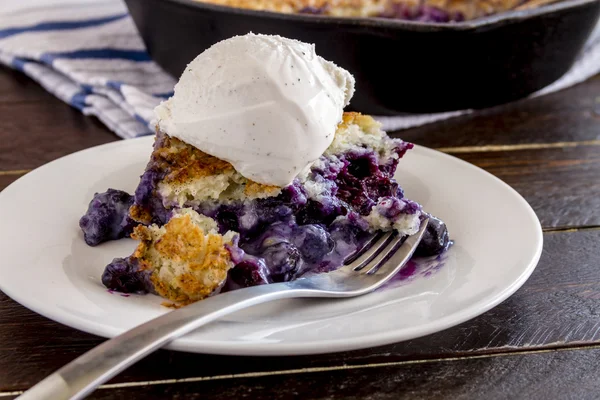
[399, 66]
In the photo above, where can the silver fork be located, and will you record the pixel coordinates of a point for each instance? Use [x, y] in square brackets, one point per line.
[382, 259]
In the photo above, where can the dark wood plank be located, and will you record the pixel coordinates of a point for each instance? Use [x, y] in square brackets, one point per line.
[562, 185]
[36, 128]
[559, 306]
[569, 115]
[16, 87]
[569, 374]
[36, 133]
[6, 180]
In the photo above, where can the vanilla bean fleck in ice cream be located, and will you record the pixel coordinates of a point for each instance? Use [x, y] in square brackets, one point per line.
[266, 104]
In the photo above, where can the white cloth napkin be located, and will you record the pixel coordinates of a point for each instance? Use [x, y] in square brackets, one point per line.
[88, 54]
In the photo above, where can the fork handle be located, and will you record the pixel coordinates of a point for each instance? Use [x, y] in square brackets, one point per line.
[82, 375]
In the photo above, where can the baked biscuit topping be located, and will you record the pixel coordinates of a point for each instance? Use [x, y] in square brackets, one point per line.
[186, 257]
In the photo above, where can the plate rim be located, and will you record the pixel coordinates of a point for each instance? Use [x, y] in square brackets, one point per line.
[299, 347]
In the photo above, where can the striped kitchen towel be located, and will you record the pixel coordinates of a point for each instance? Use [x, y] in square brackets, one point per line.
[88, 54]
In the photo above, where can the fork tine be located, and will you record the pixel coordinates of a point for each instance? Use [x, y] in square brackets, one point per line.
[368, 244]
[393, 257]
[391, 247]
[366, 256]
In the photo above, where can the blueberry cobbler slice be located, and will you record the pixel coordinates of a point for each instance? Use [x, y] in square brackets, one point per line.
[204, 228]
[256, 176]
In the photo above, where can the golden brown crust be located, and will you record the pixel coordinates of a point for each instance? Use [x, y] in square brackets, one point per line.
[254, 189]
[140, 214]
[202, 259]
[185, 162]
[365, 122]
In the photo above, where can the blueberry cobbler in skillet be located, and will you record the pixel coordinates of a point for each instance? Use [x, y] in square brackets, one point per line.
[256, 176]
[429, 11]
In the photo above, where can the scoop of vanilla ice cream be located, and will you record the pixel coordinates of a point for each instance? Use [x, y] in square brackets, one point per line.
[266, 104]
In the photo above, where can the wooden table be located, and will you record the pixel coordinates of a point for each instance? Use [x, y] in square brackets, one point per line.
[543, 342]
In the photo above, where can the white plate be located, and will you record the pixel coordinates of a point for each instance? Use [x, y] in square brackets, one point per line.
[47, 267]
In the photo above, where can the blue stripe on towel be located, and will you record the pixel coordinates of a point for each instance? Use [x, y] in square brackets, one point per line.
[117, 86]
[164, 95]
[148, 133]
[140, 119]
[87, 88]
[78, 100]
[114, 85]
[104, 54]
[19, 63]
[60, 25]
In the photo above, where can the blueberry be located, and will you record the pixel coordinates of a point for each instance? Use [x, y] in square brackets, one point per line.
[313, 242]
[363, 166]
[435, 240]
[313, 10]
[421, 13]
[349, 229]
[122, 275]
[282, 260]
[274, 212]
[146, 197]
[292, 195]
[380, 185]
[272, 245]
[433, 14]
[324, 211]
[146, 186]
[277, 232]
[457, 16]
[107, 217]
[349, 234]
[249, 272]
[362, 181]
